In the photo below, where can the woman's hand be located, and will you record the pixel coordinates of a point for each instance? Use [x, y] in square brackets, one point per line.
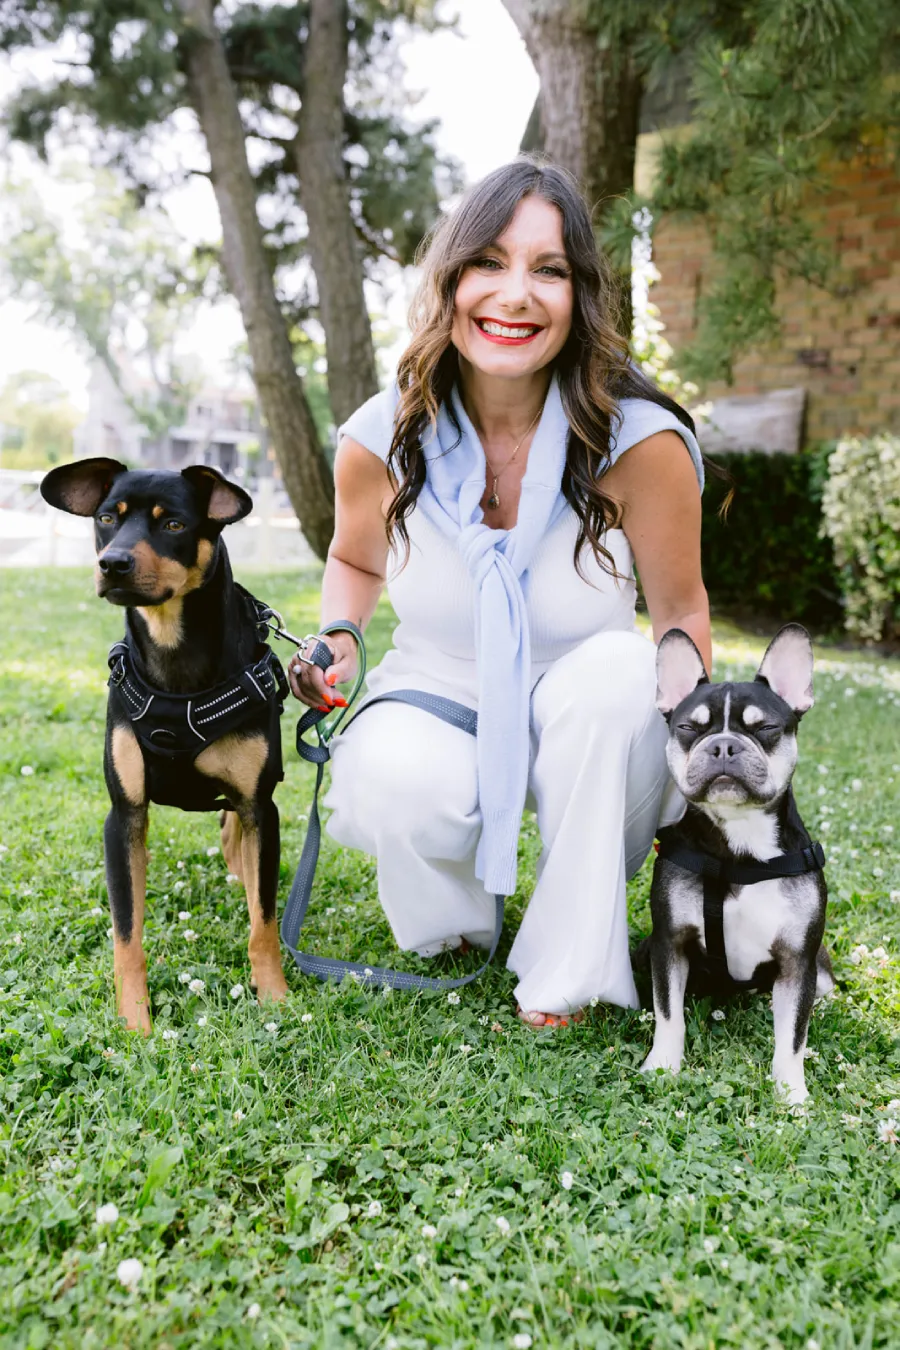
[315, 687]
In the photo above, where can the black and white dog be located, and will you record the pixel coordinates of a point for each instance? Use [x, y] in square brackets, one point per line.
[738, 895]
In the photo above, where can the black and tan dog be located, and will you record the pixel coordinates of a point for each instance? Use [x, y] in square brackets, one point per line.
[195, 695]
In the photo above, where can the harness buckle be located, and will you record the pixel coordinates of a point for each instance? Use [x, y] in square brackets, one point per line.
[117, 670]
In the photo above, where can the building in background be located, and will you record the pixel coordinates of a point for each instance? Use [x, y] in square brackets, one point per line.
[222, 428]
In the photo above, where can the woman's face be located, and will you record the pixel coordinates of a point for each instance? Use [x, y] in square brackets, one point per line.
[513, 306]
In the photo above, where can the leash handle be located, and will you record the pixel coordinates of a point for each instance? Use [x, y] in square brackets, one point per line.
[329, 968]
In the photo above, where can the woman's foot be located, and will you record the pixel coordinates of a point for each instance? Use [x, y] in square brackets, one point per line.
[539, 1019]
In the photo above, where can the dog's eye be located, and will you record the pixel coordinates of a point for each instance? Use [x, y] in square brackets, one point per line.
[174, 526]
[687, 726]
[105, 519]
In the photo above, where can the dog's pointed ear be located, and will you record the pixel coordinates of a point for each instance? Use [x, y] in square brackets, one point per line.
[679, 669]
[787, 667]
[79, 488]
[223, 502]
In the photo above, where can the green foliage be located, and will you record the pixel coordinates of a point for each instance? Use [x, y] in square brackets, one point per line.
[861, 518]
[768, 555]
[319, 1138]
[36, 421]
[113, 273]
[781, 92]
[130, 84]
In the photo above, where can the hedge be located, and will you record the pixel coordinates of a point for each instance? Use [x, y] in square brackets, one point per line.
[767, 555]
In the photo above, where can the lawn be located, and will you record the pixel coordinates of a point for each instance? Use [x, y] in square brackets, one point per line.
[410, 1171]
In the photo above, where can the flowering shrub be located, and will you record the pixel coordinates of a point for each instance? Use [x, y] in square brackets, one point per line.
[861, 516]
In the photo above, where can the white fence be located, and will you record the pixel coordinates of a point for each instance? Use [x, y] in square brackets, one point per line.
[33, 534]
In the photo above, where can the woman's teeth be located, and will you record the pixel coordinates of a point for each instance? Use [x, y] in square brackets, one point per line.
[501, 330]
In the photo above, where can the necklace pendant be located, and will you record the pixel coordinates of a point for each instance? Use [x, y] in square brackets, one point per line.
[493, 501]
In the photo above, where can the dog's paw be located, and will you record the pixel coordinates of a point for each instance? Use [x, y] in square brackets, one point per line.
[659, 1059]
[792, 1094]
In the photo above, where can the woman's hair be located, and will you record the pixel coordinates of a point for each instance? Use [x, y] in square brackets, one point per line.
[593, 368]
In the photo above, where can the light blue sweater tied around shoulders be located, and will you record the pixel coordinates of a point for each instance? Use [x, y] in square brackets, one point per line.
[498, 562]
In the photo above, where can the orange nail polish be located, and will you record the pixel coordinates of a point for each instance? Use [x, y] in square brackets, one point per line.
[330, 679]
[323, 707]
[340, 703]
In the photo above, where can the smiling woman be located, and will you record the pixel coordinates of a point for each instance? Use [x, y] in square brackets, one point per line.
[515, 600]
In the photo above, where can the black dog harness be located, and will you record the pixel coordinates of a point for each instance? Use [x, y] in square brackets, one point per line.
[173, 729]
[718, 875]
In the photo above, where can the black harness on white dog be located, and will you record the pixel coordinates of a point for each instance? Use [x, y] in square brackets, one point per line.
[718, 875]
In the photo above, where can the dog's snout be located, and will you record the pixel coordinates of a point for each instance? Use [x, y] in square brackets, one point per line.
[116, 563]
[724, 748]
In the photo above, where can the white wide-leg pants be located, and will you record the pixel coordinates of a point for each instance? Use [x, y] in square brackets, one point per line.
[404, 788]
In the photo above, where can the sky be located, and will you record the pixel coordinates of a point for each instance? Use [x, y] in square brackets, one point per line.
[480, 84]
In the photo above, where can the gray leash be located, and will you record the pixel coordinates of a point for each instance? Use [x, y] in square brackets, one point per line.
[328, 968]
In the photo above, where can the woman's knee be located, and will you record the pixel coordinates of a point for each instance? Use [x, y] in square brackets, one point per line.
[610, 678]
[402, 774]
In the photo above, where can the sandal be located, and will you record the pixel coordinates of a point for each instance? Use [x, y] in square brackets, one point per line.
[549, 1019]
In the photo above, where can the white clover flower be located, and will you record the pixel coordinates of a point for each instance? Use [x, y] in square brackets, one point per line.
[521, 1341]
[709, 1246]
[307, 1017]
[272, 1026]
[189, 935]
[851, 1121]
[894, 1105]
[130, 1272]
[106, 1214]
[466, 1049]
[453, 998]
[238, 1115]
[194, 1067]
[857, 783]
[178, 886]
[386, 991]
[421, 1259]
[679, 1115]
[185, 977]
[462, 1286]
[108, 1053]
[329, 1090]
[180, 865]
[429, 1231]
[169, 1034]
[236, 990]
[231, 879]
[211, 852]
[812, 1344]
[201, 1021]
[96, 912]
[56, 1164]
[253, 1311]
[26, 771]
[567, 1181]
[858, 953]
[503, 1225]
[887, 1132]
[197, 986]
[718, 1015]
[17, 938]
[374, 1210]
[184, 915]
[823, 768]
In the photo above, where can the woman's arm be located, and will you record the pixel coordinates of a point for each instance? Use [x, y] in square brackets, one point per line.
[356, 565]
[656, 483]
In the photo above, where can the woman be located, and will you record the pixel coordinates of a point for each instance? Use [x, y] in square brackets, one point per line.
[494, 480]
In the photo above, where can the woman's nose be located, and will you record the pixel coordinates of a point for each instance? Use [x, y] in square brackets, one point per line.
[515, 289]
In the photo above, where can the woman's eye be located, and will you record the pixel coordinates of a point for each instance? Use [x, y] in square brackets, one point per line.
[554, 271]
[485, 262]
[174, 525]
[105, 519]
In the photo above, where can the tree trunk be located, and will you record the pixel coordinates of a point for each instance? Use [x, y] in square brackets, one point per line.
[589, 101]
[304, 467]
[333, 248]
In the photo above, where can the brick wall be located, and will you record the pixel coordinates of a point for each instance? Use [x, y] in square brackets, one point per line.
[845, 350]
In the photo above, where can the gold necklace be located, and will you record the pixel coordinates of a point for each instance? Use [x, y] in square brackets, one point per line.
[493, 500]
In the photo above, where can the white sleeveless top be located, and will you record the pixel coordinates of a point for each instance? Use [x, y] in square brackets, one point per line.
[434, 598]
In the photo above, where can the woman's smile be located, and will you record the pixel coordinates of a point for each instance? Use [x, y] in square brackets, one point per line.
[508, 334]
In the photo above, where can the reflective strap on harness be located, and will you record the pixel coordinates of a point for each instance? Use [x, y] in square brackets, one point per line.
[327, 968]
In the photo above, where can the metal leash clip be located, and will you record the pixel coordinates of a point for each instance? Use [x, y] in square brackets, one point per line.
[311, 650]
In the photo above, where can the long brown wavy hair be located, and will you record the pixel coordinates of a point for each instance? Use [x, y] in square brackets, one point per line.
[593, 368]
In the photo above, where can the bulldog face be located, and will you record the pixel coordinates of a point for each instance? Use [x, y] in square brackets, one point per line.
[734, 745]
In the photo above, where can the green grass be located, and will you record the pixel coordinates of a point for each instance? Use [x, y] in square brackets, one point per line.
[290, 1172]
